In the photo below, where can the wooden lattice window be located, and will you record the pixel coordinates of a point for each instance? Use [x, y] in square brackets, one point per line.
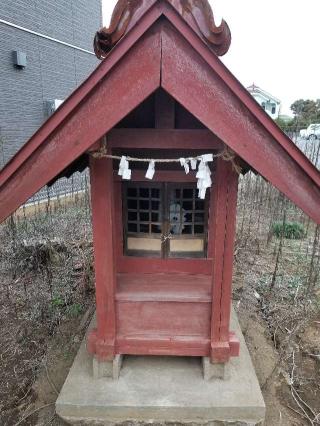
[144, 209]
[164, 220]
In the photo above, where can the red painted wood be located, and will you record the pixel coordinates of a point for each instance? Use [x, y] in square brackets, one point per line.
[236, 88]
[220, 352]
[234, 345]
[163, 345]
[160, 176]
[139, 74]
[204, 87]
[210, 99]
[167, 8]
[127, 264]
[163, 139]
[78, 96]
[164, 287]
[102, 340]
[265, 132]
[172, 319]
[130, 264]
[230, 235]
[211, 216]
[222, 228]
[164, 110]
[118, 221]
[95, 147]
[216, 243]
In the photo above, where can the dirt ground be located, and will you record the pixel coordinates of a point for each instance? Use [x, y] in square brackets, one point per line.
[64, 345]
[41, 330]
[264, 320]
[39, 387]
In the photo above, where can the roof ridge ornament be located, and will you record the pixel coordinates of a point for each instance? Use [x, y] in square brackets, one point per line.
[198, 11]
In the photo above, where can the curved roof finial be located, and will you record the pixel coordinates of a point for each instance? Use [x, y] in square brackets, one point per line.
[126, 12]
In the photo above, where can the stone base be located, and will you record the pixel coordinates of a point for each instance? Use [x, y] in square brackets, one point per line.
[111, 369]
[214, 371]
[163, 390]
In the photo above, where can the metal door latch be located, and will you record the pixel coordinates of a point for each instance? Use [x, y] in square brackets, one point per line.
[165, 237]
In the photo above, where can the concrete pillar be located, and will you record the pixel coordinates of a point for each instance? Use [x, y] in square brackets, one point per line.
[110, 369]
[214, 371]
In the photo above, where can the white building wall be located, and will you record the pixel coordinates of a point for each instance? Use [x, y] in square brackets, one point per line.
[269, 105]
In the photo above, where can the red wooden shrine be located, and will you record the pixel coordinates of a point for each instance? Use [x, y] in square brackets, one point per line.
[155, 301]
[163, 257]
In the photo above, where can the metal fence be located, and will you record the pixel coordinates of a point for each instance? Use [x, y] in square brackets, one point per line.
[78, 183]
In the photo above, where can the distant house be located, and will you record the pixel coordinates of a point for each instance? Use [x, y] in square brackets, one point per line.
[268, 102]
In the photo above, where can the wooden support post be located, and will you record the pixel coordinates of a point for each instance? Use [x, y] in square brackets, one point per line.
[221, 247]
[164, 110]
[101, 341]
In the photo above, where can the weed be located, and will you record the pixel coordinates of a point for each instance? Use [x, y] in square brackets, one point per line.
[290, 230]
[57, 302]
[75, 310]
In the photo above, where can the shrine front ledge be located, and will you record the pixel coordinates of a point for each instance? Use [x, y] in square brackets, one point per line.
[106, 365]
[163, 391]
[88, 422]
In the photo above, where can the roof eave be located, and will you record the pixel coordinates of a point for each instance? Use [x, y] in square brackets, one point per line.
[67, 110]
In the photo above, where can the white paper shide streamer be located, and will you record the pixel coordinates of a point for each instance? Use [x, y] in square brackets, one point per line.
[151, 170]
[124, 170]
[203, 173]
[185, 163]
[194, 163]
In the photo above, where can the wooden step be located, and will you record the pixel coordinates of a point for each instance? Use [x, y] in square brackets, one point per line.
[163, 318]
[151, 344]
[163, 288]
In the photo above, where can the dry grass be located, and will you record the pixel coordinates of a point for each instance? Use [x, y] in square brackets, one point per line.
[46, 286]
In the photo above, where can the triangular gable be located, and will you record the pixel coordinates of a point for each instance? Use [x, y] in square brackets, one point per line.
[111, 92]
[169, 55]
[209, 96]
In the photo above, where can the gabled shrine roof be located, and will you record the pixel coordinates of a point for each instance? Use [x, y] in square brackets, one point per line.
[161, 48]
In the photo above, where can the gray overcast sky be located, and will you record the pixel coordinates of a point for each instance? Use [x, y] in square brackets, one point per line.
[275, 44]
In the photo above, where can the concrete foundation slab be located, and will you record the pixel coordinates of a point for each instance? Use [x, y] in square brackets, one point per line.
[163, 390]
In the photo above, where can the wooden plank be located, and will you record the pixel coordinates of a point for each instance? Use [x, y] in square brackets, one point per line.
[139, 74]
[163, 319]
[119, 242]
[209, 98]
[164, 111]
[162, 345]
[216, 244]
[230, 235]
[164, 139]
[160, 176]
[239, 91]
[101, 178]
[213, 202]
[164, 287]
[127, 264]
[221, 245]
[234, 344]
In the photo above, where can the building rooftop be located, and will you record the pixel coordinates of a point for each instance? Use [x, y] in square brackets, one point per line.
[256, 89]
